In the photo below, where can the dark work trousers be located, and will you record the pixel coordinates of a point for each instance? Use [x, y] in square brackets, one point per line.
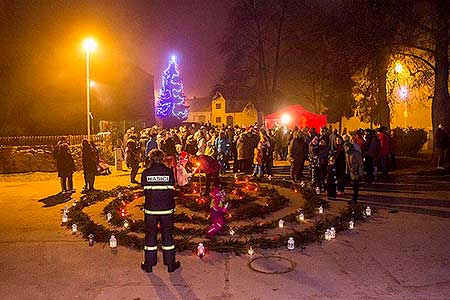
[134, 171]
[384, 164]
[66, 183]
[296, 165]
[151, 230]
[211, 178]
[239, 166]
[322, 175]
[341, 184]
[441, 157]
[268, 164]
[368, 167]
[355, 184]
[89, 178]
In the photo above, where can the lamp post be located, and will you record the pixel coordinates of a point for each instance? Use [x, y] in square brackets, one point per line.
[399, 69]
[89, 46]
[404, 95]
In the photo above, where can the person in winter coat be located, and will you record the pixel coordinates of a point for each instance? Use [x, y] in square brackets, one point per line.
[385, 141]
[132, 157]
[322, 153]
[151, 144]
[355, 168]
[65, 167]
[210, 167]
[296, 156]
[90, 160]
[314, 161]
[258, 161]
[217, 211]
[340, 167]
[441, 145]
[248, 151]
[331, 178]
[240, 154]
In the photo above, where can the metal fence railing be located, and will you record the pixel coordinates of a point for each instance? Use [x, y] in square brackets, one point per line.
[41, 140]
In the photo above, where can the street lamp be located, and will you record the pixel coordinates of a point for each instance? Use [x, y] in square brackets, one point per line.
[89, 46]
[398, 67]
[404, 96]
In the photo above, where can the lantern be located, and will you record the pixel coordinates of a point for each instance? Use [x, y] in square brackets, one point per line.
[91, 240]
[351, 224]
[333, 232]
[126, 224]
[64, 217]
[201, 250]
[318, 190]
[281, 223]
[119, 195]
[251, 251]
[74, 228]
[328, 235]
[291, 243]
[113, 241]
[301, 217]
[109, 216]
[232, 232]
[321, 209]
[368, 211]
[302, 184]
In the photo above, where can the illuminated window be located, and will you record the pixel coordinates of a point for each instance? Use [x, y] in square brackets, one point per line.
[218, 120]
[218, 106]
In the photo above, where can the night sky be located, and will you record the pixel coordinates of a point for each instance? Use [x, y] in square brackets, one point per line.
[146, 33]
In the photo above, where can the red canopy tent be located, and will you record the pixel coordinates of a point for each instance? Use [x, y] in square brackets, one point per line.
[296, 115]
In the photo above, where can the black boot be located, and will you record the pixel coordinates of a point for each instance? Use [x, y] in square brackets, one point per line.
[146, 268]
[171, 268]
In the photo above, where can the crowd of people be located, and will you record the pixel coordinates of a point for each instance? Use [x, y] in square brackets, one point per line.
[332, 159]
[65, 165]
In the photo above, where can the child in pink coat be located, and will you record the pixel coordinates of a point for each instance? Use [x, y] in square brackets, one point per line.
[217, 210]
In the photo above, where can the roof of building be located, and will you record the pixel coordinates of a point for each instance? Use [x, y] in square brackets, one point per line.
[203, 104]
[199, 104]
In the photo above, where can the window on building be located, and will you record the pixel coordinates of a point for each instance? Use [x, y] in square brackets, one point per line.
[201, 118]
[230, 120]
[218, 105]
[218, 120]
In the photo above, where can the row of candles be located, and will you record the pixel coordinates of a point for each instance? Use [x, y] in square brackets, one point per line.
[329, 234]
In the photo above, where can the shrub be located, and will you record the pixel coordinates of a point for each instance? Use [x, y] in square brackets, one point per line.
[409, 141]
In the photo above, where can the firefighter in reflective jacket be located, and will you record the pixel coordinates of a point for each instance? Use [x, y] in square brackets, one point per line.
[158, 182]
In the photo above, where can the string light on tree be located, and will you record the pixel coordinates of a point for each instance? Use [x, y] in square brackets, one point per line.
[321, 209]
[251, 251]
[171, 98]
[74, 228]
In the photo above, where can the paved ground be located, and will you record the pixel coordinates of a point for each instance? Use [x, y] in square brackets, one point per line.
[402, 254]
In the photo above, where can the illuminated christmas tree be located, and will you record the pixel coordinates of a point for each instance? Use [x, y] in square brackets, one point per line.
[171, 103]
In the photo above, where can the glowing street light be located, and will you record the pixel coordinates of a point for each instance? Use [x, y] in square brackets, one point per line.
[398, 67]
[404, 95]
[89, 46]
[92, 84]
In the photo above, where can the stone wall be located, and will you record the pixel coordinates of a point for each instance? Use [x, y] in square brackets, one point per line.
[23, 159]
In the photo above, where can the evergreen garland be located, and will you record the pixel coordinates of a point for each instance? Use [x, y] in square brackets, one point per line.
[184, 236]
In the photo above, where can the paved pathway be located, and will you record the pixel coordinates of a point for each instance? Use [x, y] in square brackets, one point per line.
[395, 256]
